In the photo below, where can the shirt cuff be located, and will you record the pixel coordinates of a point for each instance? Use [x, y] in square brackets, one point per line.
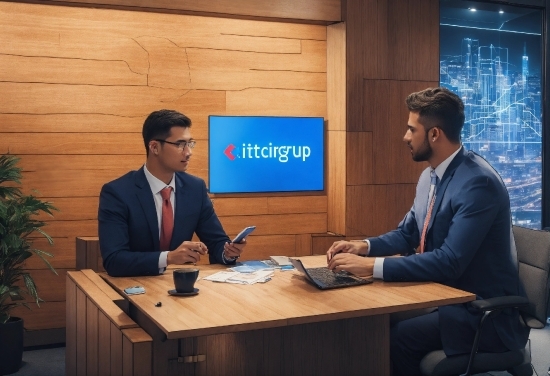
[163, 263]
[378, 270]
[368, 245]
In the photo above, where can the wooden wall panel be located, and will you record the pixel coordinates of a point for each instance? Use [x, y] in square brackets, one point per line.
[71, 208]
[63, 250]
[360, 163]
[386, 41]
[336, 181]
[310, 10]
[336, 125]
[376, 209]
[42, 98]
[49, 70]
[77, 83]
[422, 44]
[50, 287]
[297, 204]
[336, 76]
[391, 158]
[226, 206]
[276, 102]
[357, 20]
[45, 123]
[50, 315]
[389, 55]
[261, 247]
[321, 243]
[400, 46]
[277, 224]
[303, 245]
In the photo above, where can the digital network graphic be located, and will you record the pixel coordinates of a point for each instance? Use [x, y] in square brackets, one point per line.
[503, 111]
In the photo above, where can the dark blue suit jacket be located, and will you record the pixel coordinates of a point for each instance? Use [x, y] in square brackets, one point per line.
[469, 246]
[129, 230]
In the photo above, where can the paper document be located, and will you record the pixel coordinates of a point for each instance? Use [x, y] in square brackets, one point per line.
[250, 266]
[281, 260]
[241, 278]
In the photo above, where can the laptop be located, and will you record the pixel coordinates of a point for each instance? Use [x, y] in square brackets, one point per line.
[325, 279]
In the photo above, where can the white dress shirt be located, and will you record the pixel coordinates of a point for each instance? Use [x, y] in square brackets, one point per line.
[157, 186]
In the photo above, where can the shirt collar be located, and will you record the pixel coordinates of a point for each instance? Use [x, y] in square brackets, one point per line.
[157, 185]
[440, 170]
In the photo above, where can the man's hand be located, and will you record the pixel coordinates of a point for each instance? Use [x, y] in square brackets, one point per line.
[187, 252]
[357, 265]
[343, 246]
[234, 250]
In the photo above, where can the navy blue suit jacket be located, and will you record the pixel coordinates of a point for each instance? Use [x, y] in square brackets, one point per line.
[469, 246]
[129, 230]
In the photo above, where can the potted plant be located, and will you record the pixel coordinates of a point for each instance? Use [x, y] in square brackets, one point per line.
[17, 222]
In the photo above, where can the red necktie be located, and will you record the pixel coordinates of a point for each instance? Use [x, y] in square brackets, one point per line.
[167, 224]
[429, 213]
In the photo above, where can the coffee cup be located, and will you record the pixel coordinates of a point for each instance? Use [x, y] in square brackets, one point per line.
[184, 279]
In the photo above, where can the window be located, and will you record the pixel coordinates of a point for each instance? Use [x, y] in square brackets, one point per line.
[490, 55]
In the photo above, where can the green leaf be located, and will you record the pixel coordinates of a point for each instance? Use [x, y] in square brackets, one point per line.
[19, 224]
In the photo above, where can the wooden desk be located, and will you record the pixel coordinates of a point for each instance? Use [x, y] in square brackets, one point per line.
[285, 326]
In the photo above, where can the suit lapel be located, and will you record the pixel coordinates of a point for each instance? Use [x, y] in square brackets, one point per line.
[145, 197]
[442, 187]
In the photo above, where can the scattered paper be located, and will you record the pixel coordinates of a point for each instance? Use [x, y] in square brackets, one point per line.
[241, 278]
[281, 260]
[251, 266]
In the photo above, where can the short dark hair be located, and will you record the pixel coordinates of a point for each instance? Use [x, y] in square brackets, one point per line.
[159, 123]
[438, 107]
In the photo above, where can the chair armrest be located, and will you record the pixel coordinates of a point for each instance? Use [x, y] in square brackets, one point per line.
[489, 307]
[500, 303]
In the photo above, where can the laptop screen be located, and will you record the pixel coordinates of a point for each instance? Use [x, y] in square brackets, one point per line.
[324, 279]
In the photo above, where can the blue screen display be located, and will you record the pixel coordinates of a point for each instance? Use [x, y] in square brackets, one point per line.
[265, 154]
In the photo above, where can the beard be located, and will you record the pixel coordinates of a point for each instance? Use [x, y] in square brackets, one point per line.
[424, 151]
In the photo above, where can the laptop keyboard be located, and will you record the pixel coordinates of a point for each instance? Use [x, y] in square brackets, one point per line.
[329, 278]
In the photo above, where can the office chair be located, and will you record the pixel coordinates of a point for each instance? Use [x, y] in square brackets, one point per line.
[533, 249]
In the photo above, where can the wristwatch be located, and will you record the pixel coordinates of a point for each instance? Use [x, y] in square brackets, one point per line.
[228, 260]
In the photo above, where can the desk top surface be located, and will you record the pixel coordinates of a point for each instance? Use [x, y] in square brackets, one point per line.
[287, 299]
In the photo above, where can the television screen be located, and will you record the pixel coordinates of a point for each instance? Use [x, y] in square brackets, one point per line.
[265, 154]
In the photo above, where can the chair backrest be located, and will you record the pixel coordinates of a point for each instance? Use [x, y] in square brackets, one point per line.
[533, 249]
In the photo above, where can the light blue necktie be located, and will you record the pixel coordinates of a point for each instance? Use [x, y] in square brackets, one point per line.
[431, 200]
[433, 183]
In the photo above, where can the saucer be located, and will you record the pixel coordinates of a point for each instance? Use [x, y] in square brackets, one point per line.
[175, 293]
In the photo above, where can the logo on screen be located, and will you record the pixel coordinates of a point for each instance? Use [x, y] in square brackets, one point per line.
[228, 151]
[281, 153]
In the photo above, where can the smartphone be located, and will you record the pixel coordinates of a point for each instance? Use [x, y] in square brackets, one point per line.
[134, 290]
[243, 234]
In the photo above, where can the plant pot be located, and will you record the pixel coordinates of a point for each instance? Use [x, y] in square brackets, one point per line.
[11, 345]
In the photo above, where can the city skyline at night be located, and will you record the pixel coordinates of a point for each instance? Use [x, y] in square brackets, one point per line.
[498, 78]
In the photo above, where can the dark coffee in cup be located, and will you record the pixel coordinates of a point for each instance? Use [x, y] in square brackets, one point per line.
[184, 279]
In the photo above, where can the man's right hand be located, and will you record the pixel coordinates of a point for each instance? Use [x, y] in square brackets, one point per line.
[344, 246]
[187, 252]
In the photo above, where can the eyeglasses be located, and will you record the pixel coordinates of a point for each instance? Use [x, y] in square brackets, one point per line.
[180, 144]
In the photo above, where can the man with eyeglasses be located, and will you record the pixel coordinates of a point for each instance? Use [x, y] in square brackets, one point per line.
[147, 217]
